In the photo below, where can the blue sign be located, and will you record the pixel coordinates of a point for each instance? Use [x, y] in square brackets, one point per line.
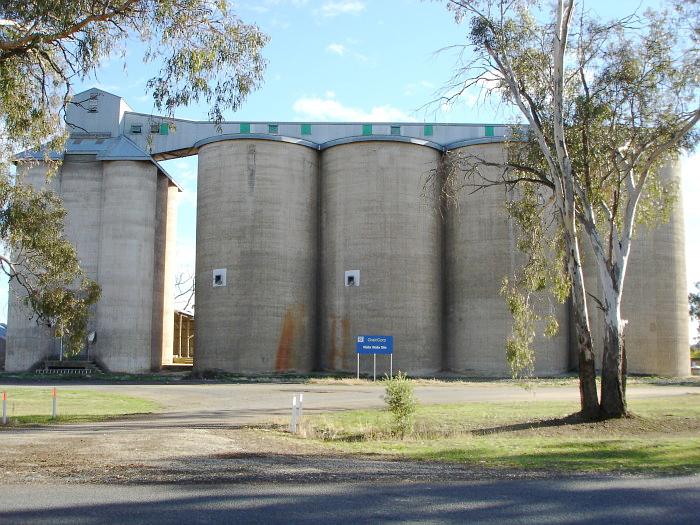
[374, 344]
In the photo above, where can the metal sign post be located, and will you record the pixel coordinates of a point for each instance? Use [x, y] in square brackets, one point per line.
[375, 344]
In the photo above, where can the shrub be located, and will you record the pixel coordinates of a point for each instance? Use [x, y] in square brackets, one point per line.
[401, 403]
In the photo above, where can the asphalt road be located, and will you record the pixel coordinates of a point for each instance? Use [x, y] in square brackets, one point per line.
[566, 500]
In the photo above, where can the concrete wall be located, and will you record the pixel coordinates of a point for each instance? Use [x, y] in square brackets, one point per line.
[257, 218]
[480, 250]
[374, 220]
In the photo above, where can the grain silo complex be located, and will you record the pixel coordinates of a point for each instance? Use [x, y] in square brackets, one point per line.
[308, 235]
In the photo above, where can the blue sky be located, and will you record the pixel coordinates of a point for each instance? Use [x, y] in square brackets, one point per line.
[351, 60]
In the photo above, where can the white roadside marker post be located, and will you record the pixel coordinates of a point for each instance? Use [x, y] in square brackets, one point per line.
[391, 366]
[358, 366]
[374, 373]
[53, 403]
[293, 421]
[4, 408]
[301, 406]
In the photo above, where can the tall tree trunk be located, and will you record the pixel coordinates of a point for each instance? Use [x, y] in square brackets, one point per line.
[613, 387]
[588, 390]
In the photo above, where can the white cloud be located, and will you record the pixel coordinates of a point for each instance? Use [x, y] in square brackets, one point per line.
[329, 109]
[331, 9]
[346, 50]
[338, 49]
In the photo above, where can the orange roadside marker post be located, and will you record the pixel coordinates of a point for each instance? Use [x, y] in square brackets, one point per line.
[53, 403]
[4, 408]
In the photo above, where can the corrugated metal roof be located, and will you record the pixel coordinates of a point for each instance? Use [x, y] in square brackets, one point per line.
[121, 148]
[103, 147]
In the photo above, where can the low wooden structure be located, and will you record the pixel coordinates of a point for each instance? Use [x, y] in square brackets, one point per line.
[183, 340]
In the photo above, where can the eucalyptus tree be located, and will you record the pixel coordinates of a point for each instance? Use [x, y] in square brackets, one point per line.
[694, 304]
[606, 104]
[200, 51]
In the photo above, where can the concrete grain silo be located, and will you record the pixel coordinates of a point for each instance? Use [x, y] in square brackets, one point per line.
[380, 254]
[256, 255]
[309, 235]
[480, 250]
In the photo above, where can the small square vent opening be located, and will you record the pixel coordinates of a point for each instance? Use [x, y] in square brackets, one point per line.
[219, 277]
[352, 278]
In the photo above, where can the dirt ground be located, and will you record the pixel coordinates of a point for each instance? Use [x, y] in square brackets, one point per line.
[207, 456]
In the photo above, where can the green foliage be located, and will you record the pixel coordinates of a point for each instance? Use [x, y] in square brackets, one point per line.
[43, 263]
[401, 402]
[539, 284]
[694, 302]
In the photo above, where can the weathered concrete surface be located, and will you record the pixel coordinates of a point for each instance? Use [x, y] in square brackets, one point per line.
[162, 336]
[257, 218]
[480, 250]
[124, 312]
[375, 220]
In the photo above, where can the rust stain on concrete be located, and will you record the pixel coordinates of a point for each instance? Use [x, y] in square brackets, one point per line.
[292, 336]
[286, 342]
[347, 344]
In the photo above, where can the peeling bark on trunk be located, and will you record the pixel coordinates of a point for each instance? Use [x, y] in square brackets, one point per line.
[588, 390]
[590, 408]
[613, 400]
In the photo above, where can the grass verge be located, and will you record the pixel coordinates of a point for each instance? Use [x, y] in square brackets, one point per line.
[663, 436]
[32, 406]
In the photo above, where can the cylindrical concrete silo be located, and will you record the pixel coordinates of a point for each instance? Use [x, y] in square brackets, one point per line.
[375, 222]
[480, 250]
[162, 333]
[255, 291]
[125, 265]
[654, 298]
